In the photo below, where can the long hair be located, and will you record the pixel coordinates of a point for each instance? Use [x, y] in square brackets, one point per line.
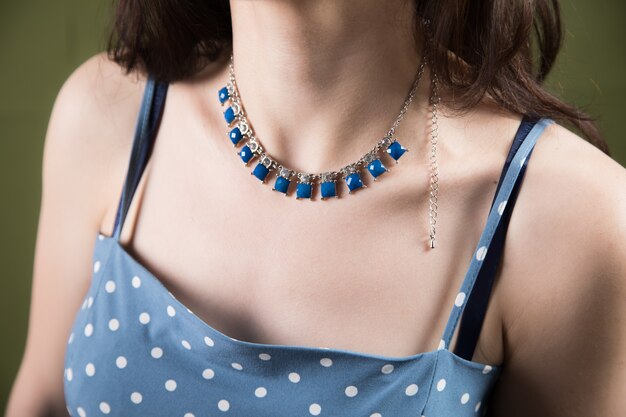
[501, 48]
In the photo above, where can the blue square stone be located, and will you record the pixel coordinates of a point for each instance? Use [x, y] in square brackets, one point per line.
[329, 189]
[223, 95]
[396, 150]
[303, 190]
[260, 171]
[354, 181]
[229, 115]
[246, 153]
[376, 168]
[281, 184]
[235, 135]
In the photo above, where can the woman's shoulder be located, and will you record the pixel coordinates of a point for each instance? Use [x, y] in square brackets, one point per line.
[572, 188]
[98, 99]
[563, 293]
[91, 128]
[569, 222]
[85, 153]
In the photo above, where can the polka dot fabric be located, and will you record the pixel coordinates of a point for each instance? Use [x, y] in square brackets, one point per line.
[135, 350]
[174, 364]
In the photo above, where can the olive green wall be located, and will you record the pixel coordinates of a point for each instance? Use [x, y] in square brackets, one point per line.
[41, 42]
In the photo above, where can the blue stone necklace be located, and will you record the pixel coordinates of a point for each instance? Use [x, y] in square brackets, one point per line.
[239, 128]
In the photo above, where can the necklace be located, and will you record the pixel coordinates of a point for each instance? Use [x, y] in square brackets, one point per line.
[240, 128]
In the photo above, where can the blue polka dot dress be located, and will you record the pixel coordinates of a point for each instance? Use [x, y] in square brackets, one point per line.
[135, 350]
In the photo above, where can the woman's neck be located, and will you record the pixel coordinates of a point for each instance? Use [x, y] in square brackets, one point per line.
[322, 80]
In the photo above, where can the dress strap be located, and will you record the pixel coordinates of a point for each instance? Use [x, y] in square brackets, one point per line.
[476, 305]
[477, 284]
[147, 125]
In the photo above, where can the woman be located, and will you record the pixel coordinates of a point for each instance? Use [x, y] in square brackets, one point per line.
[399, 297]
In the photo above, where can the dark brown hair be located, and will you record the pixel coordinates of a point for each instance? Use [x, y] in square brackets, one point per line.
[503, 48]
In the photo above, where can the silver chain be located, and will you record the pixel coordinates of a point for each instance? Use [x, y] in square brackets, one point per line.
[434, 174]
[256, 147]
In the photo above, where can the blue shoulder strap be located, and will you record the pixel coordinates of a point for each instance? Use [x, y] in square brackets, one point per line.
[147, 125]
[473, 296]
[476, 305]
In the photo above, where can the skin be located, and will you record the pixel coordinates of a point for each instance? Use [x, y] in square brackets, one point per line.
[354, 273]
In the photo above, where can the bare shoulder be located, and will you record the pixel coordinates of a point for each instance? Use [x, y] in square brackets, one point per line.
[91, 129]
[95, 111]
[575, 185]
[96, 90]
[563, 293]
[574, 198]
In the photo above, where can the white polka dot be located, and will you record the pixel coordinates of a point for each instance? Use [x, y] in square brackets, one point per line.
[237, 366]
[136, 397]
[387, 369]
[100, 236]
[294, 377]
[170, 385]
[89, 302]
[121, 362]
[208, 373]
[186, 344]
[90, 369]
[315, 409]
[109, 286]
[442, 344]
[114, 324]
[521, 162]
[223, 405]
[96, 266]
[69, 374]
[501, 207]
[351, 391]
[170, 311]
[487, 369]
[144, 318]
[136, 281]
[464, 398]
[260, 392]
[460, 298]
[264, 356]
[71, 338]
[105, 407]
[81, 412]
[376, 415]
[411, 390]
[156, 352]
[88, 329]
[326, 362]
[441, 384]
[84, 306]
[189, 415]
[208, 341]
[481, 253]
[477, 406]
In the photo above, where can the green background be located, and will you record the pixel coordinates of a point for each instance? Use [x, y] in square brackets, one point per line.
[42, 42]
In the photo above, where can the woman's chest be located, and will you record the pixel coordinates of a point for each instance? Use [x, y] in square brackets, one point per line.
[354, 272]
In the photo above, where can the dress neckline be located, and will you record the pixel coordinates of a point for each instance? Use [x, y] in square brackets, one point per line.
[115, 245]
